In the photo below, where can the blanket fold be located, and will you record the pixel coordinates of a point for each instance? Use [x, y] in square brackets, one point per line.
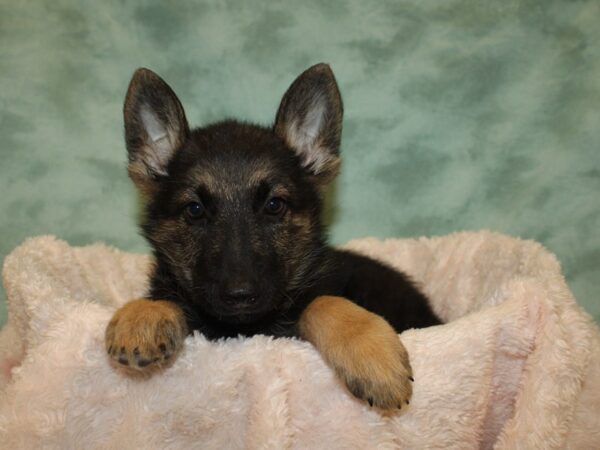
[517, 365]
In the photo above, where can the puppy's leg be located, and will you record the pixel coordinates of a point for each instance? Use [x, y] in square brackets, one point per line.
[362, 347]
[145, 335]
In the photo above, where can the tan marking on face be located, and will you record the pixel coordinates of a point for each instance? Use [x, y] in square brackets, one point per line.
[225, 188]
[303, 222]
[362, 348]
[259, 174]
[168, 231]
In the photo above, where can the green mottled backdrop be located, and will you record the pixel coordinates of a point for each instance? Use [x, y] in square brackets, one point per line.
[460, 114]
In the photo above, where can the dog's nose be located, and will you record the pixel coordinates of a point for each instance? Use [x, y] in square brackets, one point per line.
[241, 293]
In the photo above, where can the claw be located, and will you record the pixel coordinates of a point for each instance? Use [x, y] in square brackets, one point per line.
[143, 362]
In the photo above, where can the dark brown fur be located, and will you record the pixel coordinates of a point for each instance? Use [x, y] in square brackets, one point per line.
[233, 212]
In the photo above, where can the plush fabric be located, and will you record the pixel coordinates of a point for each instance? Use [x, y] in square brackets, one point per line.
[516, 366]
[459, 114]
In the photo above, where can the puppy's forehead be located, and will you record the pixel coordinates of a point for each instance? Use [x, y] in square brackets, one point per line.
[229, 175]
[230, 158]
[218, 178]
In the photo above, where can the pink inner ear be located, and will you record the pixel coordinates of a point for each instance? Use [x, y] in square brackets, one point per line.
[303, 134]
[154, 128]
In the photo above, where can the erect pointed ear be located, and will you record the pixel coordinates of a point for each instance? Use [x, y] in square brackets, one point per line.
[309, 120]
[155, 127]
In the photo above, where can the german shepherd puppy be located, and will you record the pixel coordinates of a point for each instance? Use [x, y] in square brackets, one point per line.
[233, 213]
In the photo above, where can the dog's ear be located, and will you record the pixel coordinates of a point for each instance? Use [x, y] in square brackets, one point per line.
[309, 120]
[155, 127]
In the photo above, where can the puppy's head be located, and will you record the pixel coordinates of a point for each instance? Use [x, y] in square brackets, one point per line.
[233, 210]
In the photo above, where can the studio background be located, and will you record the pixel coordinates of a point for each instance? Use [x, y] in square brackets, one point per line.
[459, 115]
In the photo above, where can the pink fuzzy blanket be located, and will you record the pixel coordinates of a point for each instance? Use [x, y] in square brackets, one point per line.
[516, 366]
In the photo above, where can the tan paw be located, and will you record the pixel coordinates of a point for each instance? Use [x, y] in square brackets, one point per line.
[363, 348]
[145, 335]
[378, 371]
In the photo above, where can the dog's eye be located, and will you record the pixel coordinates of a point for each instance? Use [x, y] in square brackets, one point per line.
[275, 206]
[194, 210]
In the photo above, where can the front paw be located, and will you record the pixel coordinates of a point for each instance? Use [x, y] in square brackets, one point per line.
[145, 335]
[362, 348]
[377, 369]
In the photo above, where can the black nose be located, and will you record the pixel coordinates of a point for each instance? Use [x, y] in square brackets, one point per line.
[241, 293]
